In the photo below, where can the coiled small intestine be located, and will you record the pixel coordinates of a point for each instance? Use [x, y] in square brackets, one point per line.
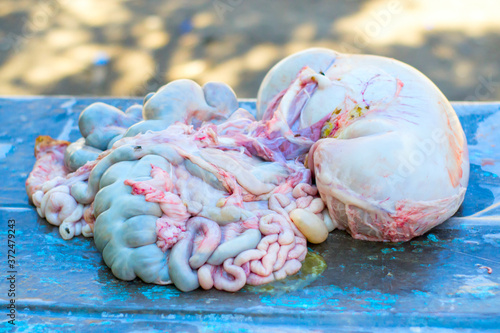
[278, 254]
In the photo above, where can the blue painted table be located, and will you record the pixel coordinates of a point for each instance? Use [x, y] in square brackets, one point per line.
[437, 280]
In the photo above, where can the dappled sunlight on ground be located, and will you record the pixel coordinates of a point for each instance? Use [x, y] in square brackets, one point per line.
[385, 22]
[128, 48]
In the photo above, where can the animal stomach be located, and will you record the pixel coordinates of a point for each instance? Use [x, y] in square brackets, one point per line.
[392, 160]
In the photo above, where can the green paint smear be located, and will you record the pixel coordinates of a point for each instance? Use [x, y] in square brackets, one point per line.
[312, 267]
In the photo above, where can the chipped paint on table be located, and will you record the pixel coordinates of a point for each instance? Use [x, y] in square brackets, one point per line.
[446, 279]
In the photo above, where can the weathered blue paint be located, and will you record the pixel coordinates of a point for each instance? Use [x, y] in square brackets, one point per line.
[432, 238]
[435, 280]
[392, 249]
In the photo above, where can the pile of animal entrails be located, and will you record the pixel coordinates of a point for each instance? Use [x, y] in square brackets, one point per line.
[192, 190]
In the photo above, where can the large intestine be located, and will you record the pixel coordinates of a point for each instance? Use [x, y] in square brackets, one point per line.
[197, 192]
[205, 206]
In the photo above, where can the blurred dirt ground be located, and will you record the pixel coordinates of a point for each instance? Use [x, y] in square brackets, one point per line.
[127, 48]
